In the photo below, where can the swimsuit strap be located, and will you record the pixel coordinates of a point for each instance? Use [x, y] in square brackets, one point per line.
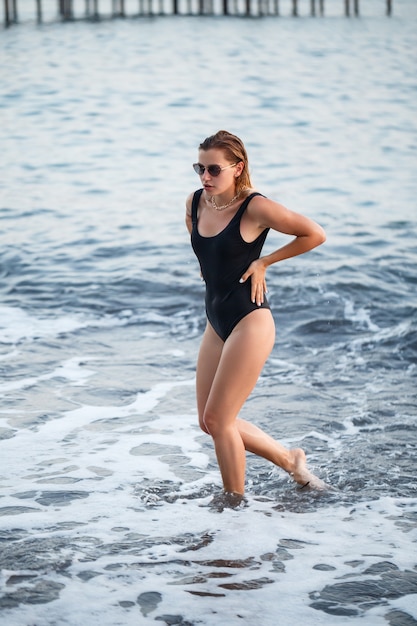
[194, 205]
[245, 203]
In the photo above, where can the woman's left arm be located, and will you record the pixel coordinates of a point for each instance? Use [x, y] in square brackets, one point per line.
[268, 214]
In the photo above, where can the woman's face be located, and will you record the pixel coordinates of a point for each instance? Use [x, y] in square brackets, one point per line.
[226, 179]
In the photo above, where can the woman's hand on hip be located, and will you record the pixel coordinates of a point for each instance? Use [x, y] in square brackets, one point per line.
[256, 272]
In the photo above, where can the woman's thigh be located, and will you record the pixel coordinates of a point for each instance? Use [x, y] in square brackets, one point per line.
[241, 361]
[207, 363]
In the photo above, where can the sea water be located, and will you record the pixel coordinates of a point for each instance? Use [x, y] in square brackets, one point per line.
[107, 484]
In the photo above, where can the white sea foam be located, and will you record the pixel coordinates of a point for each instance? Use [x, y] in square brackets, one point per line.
[328, 546]
[17, 325]
[71, 370]
[360, 316]
[113, 466]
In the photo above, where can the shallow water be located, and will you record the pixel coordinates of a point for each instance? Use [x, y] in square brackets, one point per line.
[107, 484]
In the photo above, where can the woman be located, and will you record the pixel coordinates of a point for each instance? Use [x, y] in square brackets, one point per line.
[228, 222]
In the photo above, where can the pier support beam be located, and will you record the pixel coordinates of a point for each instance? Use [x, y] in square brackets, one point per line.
[204, 7]
[355, 8]
[118, 8]
[10, 12]
[65, 9]
[294, 8]
[6, 14]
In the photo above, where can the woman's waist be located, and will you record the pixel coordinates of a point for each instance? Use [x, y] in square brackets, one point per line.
[220, 292]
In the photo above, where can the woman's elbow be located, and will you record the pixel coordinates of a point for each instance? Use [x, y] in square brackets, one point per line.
[319, 235]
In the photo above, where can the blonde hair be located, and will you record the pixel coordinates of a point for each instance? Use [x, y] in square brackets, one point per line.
[234, 151]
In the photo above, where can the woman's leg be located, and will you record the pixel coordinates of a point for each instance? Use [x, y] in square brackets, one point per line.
[227, 373]
[254, 439]
[208, 359]
[291, 460]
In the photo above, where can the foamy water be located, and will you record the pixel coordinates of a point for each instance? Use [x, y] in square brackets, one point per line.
[107, 484]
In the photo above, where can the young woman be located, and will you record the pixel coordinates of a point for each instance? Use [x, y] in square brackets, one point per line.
[228, 222]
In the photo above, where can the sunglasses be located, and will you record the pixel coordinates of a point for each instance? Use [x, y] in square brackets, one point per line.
[213, 170]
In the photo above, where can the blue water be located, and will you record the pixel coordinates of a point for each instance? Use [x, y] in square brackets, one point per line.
[106, 481]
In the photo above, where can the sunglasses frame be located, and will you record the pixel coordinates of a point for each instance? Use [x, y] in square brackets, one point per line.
[200, 169]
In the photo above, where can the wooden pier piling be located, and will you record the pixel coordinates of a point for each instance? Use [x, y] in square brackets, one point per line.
[118, 8]
[294, 8]
[355, 8]
[253, 8]
[10, 12]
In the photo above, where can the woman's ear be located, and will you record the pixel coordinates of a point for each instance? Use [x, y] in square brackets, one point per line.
[239, 169]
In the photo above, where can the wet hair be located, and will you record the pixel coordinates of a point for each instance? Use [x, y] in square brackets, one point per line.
[234, 151]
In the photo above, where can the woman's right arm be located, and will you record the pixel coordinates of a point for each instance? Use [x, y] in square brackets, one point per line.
[188, 218]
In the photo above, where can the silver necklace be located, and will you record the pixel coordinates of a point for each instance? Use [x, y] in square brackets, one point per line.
[223, 206]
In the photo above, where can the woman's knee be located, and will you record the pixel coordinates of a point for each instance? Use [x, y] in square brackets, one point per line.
[211, 422]
[202, 425]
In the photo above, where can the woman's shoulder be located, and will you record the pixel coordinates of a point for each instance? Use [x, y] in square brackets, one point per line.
[252, 191]
[190, 198]
[193, 193]
[261, 208]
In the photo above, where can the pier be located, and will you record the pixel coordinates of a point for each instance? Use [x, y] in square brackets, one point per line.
[69, 10]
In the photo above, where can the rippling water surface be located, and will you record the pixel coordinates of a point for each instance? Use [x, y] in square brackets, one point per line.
[106, 481]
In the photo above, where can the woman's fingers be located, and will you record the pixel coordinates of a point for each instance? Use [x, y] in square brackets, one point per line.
[258, 285]
[258, 292]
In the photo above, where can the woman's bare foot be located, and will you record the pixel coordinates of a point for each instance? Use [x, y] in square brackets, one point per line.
[302, 474]
[228, 500]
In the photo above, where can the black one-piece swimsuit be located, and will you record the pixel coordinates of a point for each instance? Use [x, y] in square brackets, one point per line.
[224, 258]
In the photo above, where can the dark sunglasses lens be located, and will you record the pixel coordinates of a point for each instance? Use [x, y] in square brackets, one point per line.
[214, 170]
